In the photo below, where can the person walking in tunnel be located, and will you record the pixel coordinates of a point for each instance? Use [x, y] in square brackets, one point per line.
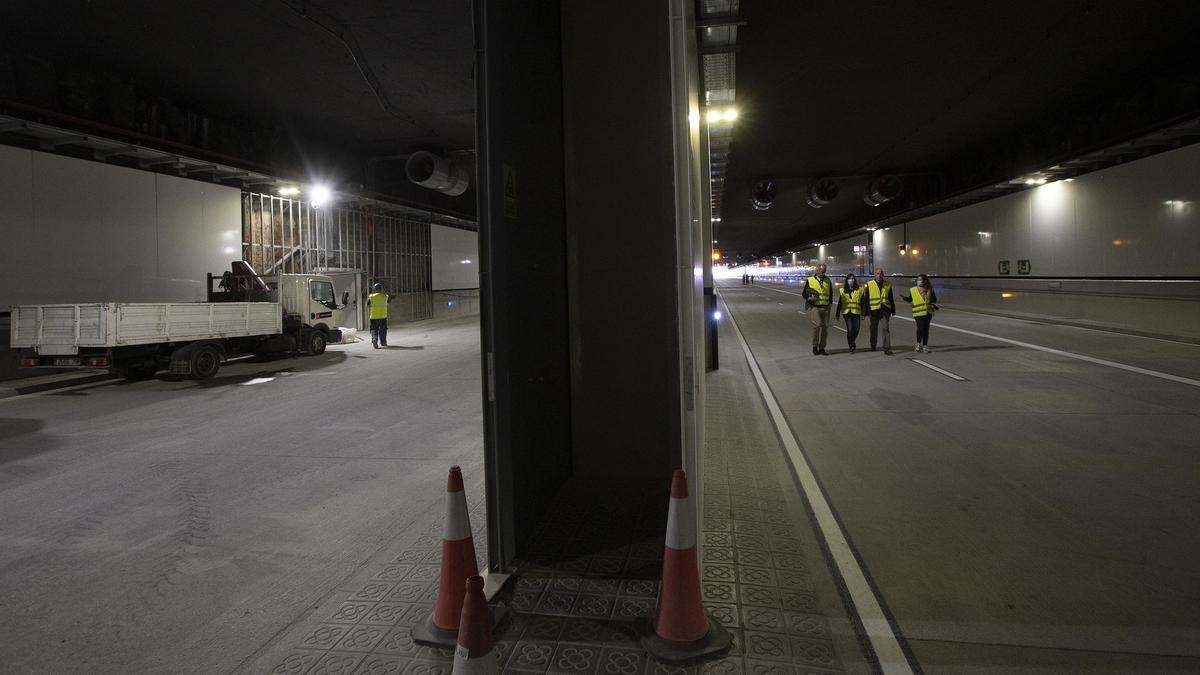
[377, 302]
[818, 295]
[881, 306]
[923, 301]
[851, 307]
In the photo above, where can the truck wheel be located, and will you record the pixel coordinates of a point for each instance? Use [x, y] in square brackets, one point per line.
[138, 373]
[206, 361]
[316, 343]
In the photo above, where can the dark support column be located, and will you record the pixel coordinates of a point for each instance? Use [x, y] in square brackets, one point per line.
[522, 245]
[625, 386]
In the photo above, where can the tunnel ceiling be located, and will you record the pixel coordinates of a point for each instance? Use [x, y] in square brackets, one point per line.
[300, 87]
[951, 97]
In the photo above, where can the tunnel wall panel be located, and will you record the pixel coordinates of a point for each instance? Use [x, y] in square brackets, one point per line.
[1135, 221]
[80, 231]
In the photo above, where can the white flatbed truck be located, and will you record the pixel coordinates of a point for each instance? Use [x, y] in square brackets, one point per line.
[136, 340]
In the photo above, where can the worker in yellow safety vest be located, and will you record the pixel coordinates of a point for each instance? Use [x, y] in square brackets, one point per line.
[818, 295]
[851, 307]
[377, 303]
[923, 301]
[881, 306]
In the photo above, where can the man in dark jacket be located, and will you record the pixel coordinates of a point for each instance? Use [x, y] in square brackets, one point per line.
[881, 306]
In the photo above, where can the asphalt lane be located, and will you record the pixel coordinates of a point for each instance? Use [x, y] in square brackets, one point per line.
[1039, 514]
[177, 526]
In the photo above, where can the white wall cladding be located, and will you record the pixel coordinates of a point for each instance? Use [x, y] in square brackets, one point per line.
[1139, 219]
[80, 231]
[455, 258]
[1135, 221]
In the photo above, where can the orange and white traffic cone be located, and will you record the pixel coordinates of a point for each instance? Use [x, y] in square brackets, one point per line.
[473, 655]
[458, 565]
[681, 629]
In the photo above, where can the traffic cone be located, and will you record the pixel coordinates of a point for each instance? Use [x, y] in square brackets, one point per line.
[473, 655]
[458, 564]
[681, 630]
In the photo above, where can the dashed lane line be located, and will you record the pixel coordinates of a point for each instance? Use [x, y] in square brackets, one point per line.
[1082, 357]
[940, 370]
[876, 627]
[1050, 350]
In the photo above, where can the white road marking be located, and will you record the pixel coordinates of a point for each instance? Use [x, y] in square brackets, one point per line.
[940, 370]
[1050, 350]
[1082, 357]
[258, 380]
[839, 328]
[870, 611]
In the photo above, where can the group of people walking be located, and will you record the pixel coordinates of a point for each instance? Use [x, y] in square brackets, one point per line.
[874, 300]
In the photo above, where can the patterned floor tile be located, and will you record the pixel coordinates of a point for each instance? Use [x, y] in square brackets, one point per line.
[616, 661]
[397, 642]
[296, 663]
[730, 665]
[362, 638]
[428, 668]
[407, 592]
[374, 590]
[632, 609]
[386, 613]
[393, 572]
[532, 656]
[767, 646]
[640, 587]
[759, 596]
[594, 606]
[324, 636]
[543, 627]
[575, 658]
[351, 612]
[336, 663]
[808, 652]
[382, 665]
[553, 602]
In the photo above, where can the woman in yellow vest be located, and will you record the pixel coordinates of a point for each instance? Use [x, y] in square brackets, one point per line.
[378, 304]
[851, 307]
[923, 301]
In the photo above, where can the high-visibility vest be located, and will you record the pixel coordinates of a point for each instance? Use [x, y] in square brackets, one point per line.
[852, 301]
[824, 291]
[379, 305]
[877, 294]
[920, 304]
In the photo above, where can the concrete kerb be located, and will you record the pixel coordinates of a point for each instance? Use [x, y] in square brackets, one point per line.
[16, 388]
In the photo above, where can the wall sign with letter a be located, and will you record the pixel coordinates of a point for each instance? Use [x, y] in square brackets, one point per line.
[1004, 267]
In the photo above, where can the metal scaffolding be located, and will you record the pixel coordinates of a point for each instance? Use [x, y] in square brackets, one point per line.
[280, 234]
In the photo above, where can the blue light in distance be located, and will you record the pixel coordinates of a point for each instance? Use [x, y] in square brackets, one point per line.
[717, 315]
[451, 303]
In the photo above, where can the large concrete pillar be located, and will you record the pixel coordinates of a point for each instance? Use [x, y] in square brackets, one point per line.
[609, 324]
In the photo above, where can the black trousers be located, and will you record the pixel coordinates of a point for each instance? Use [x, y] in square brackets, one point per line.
[379, 330]
[923, 328]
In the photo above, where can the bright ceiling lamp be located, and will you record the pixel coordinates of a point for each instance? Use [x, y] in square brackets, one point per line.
[715, 116]
[318, 195]
[289, 191]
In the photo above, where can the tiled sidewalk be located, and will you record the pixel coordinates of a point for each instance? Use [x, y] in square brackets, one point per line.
[589, 582]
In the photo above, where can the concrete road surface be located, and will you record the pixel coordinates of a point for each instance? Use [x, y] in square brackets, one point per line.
[174, 526]
[1026, 498]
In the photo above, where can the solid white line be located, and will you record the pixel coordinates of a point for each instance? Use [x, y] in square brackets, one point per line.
[1082, 357]
[875, 624]
[839, 328]
[944, 372]
[1050, 350]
